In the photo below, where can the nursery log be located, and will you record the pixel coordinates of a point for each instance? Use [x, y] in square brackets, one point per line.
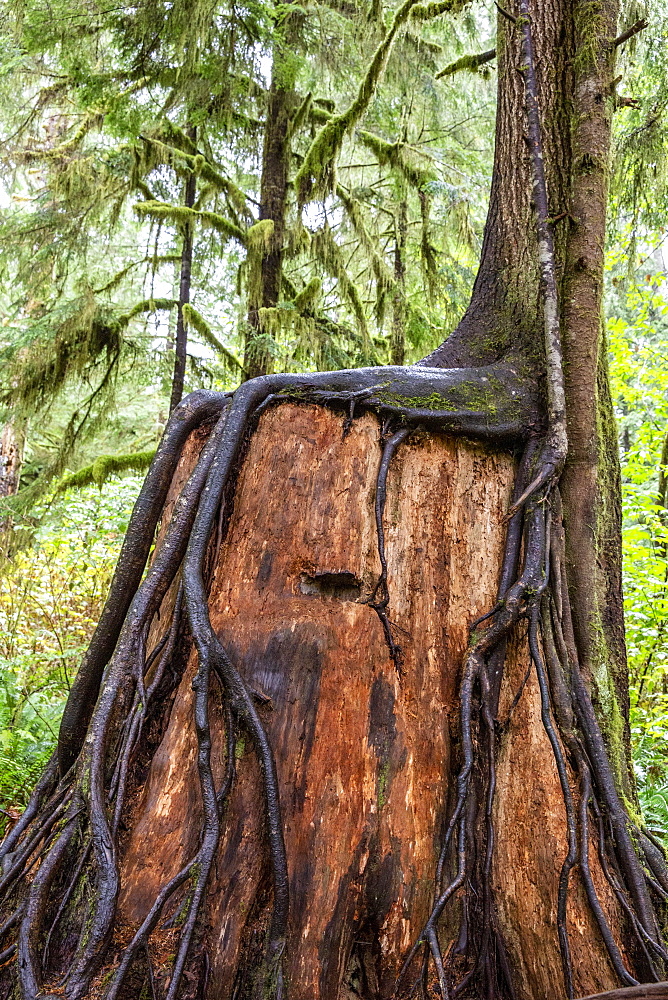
[366, 756]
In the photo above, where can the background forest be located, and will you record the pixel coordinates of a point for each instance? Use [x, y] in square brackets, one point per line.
[194, 192]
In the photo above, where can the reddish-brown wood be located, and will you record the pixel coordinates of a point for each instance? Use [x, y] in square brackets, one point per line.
[655, 991]
[365, 757]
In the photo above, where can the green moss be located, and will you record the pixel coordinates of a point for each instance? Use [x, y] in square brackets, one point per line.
[258, 237]
[471, 63]
[426, 11]
[308, 298]
[145, 306]
[382, 783]
[171, 146]
[180, 215]
[104, 467]
[398, 155]
[303, 112]
[331, 258]
[106, 977]
[195, 319]
[467, 395]
[316, 176]
[432, 402]
[588, 19]
[384, 278]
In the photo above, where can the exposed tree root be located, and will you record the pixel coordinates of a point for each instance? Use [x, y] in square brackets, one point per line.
[72, 823]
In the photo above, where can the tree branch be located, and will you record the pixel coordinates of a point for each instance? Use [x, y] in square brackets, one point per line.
[630, 32]
[470, 63]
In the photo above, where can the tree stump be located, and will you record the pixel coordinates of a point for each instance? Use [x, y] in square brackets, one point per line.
[366, 755]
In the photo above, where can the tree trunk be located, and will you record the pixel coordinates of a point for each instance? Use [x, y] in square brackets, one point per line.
[11, 457]
[181, 336]
[11, 453]
[265, 261]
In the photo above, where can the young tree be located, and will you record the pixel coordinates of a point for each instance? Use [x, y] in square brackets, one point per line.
[286, 768]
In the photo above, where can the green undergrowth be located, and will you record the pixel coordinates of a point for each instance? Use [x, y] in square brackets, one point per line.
[638, 337]
[51, 596]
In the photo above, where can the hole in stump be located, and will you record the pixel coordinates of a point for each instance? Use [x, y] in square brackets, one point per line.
[343, 586]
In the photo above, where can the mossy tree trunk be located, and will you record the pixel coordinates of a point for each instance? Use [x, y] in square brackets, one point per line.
[11, 455]
[185, 277]
[325, 761]
[265, 262]
[398, 342]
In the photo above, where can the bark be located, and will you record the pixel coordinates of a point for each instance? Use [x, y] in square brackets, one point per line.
[181, 336]
[265, 263]
[657, 991]
[591, 482]
[11, 453]
[505, 311]
[361, 750]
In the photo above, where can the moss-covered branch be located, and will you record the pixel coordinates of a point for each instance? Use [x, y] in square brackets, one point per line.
[179, 214]
[316, 176]
[195, 162]
[399, 156]
[104, 467]
[197, 321]
[468, 63]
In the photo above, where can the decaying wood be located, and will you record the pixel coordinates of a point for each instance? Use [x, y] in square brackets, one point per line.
[657, 991]
[365, 756]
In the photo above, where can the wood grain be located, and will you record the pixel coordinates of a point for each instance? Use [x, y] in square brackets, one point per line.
[365, 757]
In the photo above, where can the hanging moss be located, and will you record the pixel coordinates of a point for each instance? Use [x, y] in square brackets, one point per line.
[317, 174]
[329, 255]
[258, 237]
[427, 250]
[104, 467]
[115, 281]
[195, 319]
[414, 167]
[35, 369]
[67, 148]
[307, 300]
[302, 113]
[193, 162]
[384, 278]
[179, 215]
